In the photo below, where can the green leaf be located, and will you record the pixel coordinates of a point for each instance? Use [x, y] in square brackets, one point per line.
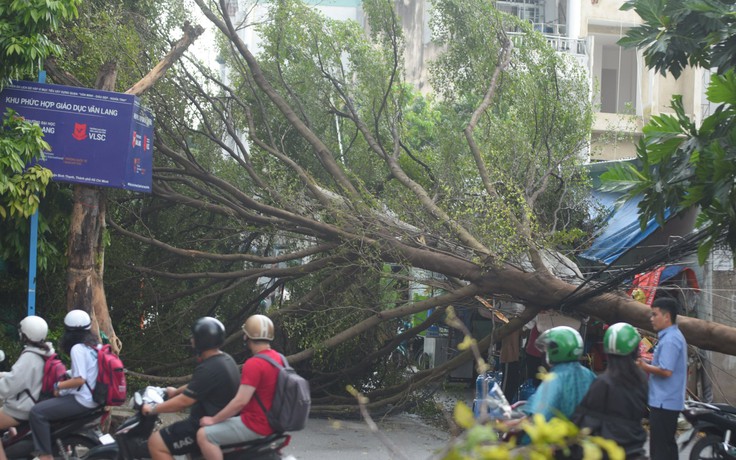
[722, 88]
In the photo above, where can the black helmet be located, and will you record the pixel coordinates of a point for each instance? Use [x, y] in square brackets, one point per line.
[207, 333]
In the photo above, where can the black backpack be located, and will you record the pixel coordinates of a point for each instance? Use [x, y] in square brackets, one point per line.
[291, 400]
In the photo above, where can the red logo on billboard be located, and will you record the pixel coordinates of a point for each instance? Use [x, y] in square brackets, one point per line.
[135, 135]
[80, 131]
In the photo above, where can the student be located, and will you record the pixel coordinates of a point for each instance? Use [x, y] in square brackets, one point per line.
[74, 394]
[21, 387]
[213, 385]
[617, 400]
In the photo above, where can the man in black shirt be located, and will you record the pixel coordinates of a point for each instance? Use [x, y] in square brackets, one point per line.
[214, 383]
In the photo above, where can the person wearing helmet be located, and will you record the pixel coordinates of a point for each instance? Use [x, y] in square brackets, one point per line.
[244, 418]
[568, 381]
[617, 401]
[20, 388]
[74, 395]
[214, 383]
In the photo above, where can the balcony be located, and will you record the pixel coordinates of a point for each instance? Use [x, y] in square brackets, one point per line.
[576, 47]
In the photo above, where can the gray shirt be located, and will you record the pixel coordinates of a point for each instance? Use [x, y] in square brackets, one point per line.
[21, 387]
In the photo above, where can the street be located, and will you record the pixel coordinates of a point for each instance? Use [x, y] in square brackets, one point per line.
[327, 439]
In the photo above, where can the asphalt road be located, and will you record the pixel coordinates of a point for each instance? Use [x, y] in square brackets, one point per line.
[409, 436]
[325, 439]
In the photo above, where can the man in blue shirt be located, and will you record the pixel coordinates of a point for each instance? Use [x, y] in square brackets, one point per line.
[668, 377]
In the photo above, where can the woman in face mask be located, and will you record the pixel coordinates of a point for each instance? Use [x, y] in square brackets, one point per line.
[20, 388]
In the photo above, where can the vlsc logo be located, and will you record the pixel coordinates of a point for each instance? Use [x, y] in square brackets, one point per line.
[80, 131]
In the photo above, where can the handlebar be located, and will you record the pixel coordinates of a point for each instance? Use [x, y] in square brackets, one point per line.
[149, 395]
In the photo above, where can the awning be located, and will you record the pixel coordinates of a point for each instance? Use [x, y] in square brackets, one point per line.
[621, 230]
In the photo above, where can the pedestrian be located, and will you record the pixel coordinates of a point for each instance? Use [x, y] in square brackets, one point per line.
[617, 400]
[74, 395]
[668, 377]
[510, 365]
[20, 388]
[562, 390]
[244, 418]
[213, 385]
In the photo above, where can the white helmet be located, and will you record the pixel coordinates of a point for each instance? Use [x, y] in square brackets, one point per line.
[34, 328]
[77, 320]
[258, 327]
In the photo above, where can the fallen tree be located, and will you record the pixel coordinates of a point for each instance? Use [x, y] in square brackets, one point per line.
[314, 169]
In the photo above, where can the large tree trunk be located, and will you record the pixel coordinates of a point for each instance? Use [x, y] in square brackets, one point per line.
[85, 287]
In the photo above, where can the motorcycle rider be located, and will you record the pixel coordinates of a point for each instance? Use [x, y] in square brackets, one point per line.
[562, 390]
[617, 400]
[214, 383]
[20, 388]
[74, 394]
[244, 419]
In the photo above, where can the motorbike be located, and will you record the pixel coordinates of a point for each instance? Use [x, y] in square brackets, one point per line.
[130, 439]
[72, 437]
[712, 428]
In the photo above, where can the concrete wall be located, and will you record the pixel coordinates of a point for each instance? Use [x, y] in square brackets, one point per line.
[723, 367]
[419, 50]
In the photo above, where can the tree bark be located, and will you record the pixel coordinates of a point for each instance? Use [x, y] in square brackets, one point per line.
[85, 286]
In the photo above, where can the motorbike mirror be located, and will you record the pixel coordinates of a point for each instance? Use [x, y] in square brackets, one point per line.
[138, 399]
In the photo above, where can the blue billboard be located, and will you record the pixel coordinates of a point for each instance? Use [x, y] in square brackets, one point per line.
[96, 137]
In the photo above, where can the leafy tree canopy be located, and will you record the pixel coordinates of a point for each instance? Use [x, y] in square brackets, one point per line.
[685, 165]
[25, 42]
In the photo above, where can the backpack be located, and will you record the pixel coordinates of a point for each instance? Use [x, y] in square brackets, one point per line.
[110, 387]
[291, 400]
[54, 371]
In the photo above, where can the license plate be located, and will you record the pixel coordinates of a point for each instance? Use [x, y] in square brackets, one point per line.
[106, 439]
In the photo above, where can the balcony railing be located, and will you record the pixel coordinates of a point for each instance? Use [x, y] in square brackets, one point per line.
[577, 46]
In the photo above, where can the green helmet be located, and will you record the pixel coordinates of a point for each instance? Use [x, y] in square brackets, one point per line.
[621, 339]
[561, 344]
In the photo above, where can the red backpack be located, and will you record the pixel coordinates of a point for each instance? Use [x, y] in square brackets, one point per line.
[54, 371]
[110, 387]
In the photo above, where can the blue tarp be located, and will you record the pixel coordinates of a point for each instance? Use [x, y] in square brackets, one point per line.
[621, 230]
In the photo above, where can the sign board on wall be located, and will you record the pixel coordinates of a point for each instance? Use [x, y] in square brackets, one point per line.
[96, 137]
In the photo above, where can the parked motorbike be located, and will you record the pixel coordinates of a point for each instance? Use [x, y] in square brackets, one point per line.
[712, 428]
[131, 437]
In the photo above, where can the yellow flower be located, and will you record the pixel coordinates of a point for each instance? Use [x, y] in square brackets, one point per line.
[466, 343]
[615, 452]
[463, 415]
[498, 452]
[544, 375]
